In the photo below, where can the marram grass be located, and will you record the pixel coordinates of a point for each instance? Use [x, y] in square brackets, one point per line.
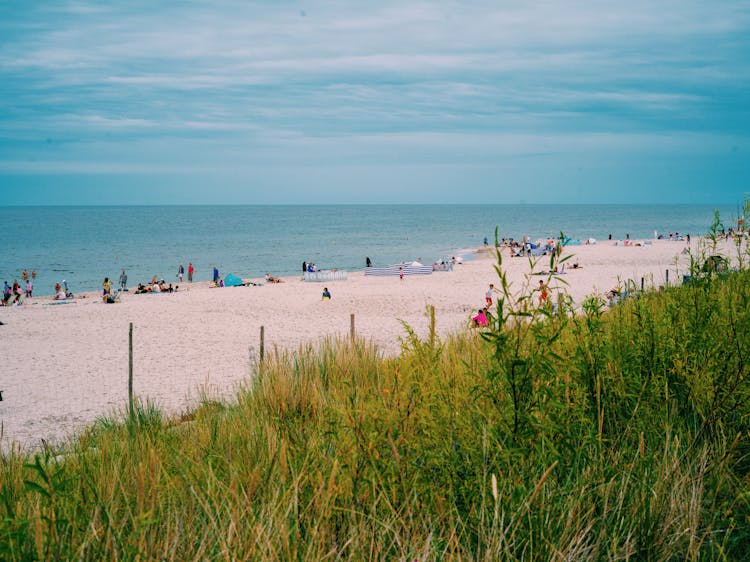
[608, 435]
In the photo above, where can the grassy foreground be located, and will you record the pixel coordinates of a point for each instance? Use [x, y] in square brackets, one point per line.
[621, 434]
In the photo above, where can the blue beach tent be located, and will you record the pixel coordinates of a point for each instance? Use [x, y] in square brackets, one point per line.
[232, 281]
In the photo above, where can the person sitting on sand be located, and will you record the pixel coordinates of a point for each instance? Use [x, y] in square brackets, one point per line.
[326, 294]
[480, 320]
[271, 279]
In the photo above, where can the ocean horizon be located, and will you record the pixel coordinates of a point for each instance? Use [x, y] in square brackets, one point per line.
[83, 244]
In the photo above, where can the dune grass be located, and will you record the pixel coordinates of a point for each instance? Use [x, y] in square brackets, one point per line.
[605, 435]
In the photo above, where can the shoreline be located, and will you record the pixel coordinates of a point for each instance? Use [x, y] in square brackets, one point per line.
[66, 365]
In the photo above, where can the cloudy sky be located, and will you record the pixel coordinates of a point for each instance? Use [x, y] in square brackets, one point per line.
[374, 102]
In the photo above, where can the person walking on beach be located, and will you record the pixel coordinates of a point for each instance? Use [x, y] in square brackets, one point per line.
[123, 281]
[542, 293]
[216, 275]
[29, 288]
[401, 273]
[191, 270]
[368, 263]
[180, 273]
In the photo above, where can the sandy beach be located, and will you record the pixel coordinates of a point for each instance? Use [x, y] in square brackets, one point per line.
[66, 364]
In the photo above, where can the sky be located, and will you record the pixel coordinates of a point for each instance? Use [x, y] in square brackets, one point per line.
[278, 102]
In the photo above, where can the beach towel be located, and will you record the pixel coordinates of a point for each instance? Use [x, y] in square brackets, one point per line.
[232, 281]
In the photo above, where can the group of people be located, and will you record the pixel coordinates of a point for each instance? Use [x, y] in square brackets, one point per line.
[308, 267]
[14, 294]
[483, 316]
[156, 286]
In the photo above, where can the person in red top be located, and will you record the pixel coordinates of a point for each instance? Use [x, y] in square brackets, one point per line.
[191, 270]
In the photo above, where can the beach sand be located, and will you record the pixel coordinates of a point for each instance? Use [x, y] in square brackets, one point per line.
[64, 365]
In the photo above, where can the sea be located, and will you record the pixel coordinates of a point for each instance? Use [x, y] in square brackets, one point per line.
[84, 244]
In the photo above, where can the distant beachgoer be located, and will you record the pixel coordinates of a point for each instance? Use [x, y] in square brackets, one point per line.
[304, 268]
[488, 295]
[216, 275]
[481, 317]
[191, 270]
[16, 292]
[542, 293]
[57, 287]
[123, 281]
[33, 273]
[6, 293]
[368, 262]
[401, 273]
[65, 287]
[106, 288]
[271, 279]
[326, 294]
[687, 237]
[29, 288]
[25, 275]
[180, 273]
[485, 241]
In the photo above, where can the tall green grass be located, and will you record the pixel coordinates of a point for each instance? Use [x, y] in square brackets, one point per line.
[610, 434]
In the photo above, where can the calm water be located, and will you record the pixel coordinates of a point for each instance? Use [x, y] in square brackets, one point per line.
[84, 244]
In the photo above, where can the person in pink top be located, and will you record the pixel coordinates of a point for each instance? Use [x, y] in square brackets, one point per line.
[481, 318]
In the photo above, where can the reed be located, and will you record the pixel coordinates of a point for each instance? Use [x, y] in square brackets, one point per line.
[607, 434]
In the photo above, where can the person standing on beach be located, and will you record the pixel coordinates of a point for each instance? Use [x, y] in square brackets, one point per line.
[216, 274]
[401, 273]
[542, 293]
[106, 289]
[29, 288]
[488, 295]
[180, 273]
[191, 270]
[123, 281]
[368, 263]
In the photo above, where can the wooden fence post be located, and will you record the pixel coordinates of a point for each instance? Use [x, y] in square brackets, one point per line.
[130, 369]
[262, 344]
